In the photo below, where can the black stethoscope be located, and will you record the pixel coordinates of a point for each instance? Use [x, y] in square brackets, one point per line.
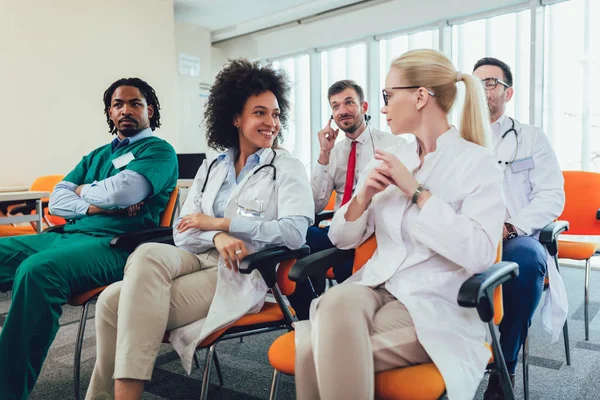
[516, 151]
[198, 199]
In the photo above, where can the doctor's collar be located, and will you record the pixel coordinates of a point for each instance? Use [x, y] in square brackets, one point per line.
[231, 154]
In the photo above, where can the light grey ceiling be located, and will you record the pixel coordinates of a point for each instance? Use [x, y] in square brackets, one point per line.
[229, 18]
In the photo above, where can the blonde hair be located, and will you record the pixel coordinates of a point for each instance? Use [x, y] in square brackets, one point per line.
[431, 69]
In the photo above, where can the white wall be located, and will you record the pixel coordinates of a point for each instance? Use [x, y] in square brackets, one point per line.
[56, 60]
[346, 27]
[195, 41]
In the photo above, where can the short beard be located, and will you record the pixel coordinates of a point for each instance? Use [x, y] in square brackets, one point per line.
[129, 132]
[353, 128]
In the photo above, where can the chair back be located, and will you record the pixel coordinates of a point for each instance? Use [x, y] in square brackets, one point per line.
[498, 301]
[363, 253]
[46, 184]
[331, 203]
[582, 192]
[167, 216]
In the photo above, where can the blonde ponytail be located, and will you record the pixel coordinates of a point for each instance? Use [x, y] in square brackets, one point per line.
[432, 69]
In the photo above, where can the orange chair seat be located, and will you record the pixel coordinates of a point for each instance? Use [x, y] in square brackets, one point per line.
[269, 313]
[81, 299]
[9, 230]
[576, 250]
[394, 384]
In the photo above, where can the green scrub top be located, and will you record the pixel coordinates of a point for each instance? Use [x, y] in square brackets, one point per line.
[154, 158]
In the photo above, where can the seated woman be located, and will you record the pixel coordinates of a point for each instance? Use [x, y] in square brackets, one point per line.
[436, 208]
[250, 197]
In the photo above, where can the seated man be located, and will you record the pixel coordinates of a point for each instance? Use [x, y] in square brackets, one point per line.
[120, 187]
[332, 172]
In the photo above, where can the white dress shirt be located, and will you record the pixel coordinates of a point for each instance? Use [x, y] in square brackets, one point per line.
[326, 178]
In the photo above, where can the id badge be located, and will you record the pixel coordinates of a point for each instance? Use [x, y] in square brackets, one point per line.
[522, 164]
[123, 160]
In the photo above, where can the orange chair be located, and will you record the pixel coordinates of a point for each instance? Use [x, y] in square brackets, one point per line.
[128, 241]
[272, 317]
[41, 184]
[582, 211]
[421, 382]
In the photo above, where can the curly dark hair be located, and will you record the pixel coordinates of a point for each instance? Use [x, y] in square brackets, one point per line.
[239, 80]
[146, 91]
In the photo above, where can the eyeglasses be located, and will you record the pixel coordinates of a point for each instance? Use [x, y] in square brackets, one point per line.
[491, 83]
[386, 96]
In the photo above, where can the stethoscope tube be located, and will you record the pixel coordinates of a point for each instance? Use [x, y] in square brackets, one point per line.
[516, 151]
[270, 164]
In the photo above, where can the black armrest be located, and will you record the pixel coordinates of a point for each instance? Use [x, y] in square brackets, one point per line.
[549, 235]
[319, 263]
[55, 229]
[322, 216]
[26, 208]
[129, 241]
[478, 290]
[266, 260]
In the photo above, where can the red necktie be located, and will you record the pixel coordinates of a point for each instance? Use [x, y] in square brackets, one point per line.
[350, 174]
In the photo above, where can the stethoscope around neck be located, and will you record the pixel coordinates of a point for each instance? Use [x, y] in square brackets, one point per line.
[516, 150]
[269, 165]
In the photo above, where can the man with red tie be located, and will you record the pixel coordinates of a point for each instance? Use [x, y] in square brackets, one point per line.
[339, 165]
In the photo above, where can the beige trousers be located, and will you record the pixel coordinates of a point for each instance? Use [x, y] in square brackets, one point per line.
[164, 287]
[357, 331]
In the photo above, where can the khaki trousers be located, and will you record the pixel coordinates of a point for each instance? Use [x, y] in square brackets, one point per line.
[164, 287]
[357, 331]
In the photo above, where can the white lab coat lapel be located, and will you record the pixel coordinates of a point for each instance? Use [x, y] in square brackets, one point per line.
[212, 187]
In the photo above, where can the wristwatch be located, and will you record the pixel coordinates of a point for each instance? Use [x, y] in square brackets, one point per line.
[512, 231]
[417, 193]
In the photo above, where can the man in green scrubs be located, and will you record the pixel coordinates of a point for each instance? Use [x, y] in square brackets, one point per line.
[120, 187]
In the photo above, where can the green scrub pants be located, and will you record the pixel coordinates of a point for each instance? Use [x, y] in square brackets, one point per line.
[44, 271]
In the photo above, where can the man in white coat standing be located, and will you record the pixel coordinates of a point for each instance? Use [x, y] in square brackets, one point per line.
[533, 186]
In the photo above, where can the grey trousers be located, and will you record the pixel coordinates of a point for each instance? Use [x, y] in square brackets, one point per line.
[356, 332]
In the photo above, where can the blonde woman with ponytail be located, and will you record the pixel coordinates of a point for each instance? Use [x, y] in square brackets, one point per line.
[436, 208]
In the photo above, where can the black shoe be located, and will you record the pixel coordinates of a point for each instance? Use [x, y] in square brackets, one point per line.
[494, 389]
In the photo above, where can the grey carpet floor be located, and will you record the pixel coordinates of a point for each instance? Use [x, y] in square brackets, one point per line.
[247, 373]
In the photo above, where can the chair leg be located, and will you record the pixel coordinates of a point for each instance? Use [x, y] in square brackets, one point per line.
[196, 361]
[566, 338]
[587, 299]
[207, 367]
[507, 388]
[241, 339]
[78, 348]
[218, 367]
[526, 367]
[274, 385]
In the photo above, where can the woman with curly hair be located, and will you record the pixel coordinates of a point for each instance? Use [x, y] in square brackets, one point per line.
[252, 196]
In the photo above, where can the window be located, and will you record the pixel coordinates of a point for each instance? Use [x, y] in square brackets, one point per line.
[396, 46]
[342, 63]
[571, 76]
[297, 138]
[506, 37]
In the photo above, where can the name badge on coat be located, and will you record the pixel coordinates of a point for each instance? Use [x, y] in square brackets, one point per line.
[123, 160]
[522, 164]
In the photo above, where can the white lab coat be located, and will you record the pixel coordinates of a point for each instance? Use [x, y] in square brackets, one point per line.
[240, 294]
[455, 235]
[534, 198]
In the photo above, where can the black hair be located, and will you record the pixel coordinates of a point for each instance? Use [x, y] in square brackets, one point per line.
[146, 91]
[237, 81]
[500, 64]
[340, 86]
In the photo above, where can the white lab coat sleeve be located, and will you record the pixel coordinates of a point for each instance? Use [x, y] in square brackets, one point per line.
[322, 185]
[194, 240]
[348, 235]
[547, 185]
[293, 190]
[468, 237]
